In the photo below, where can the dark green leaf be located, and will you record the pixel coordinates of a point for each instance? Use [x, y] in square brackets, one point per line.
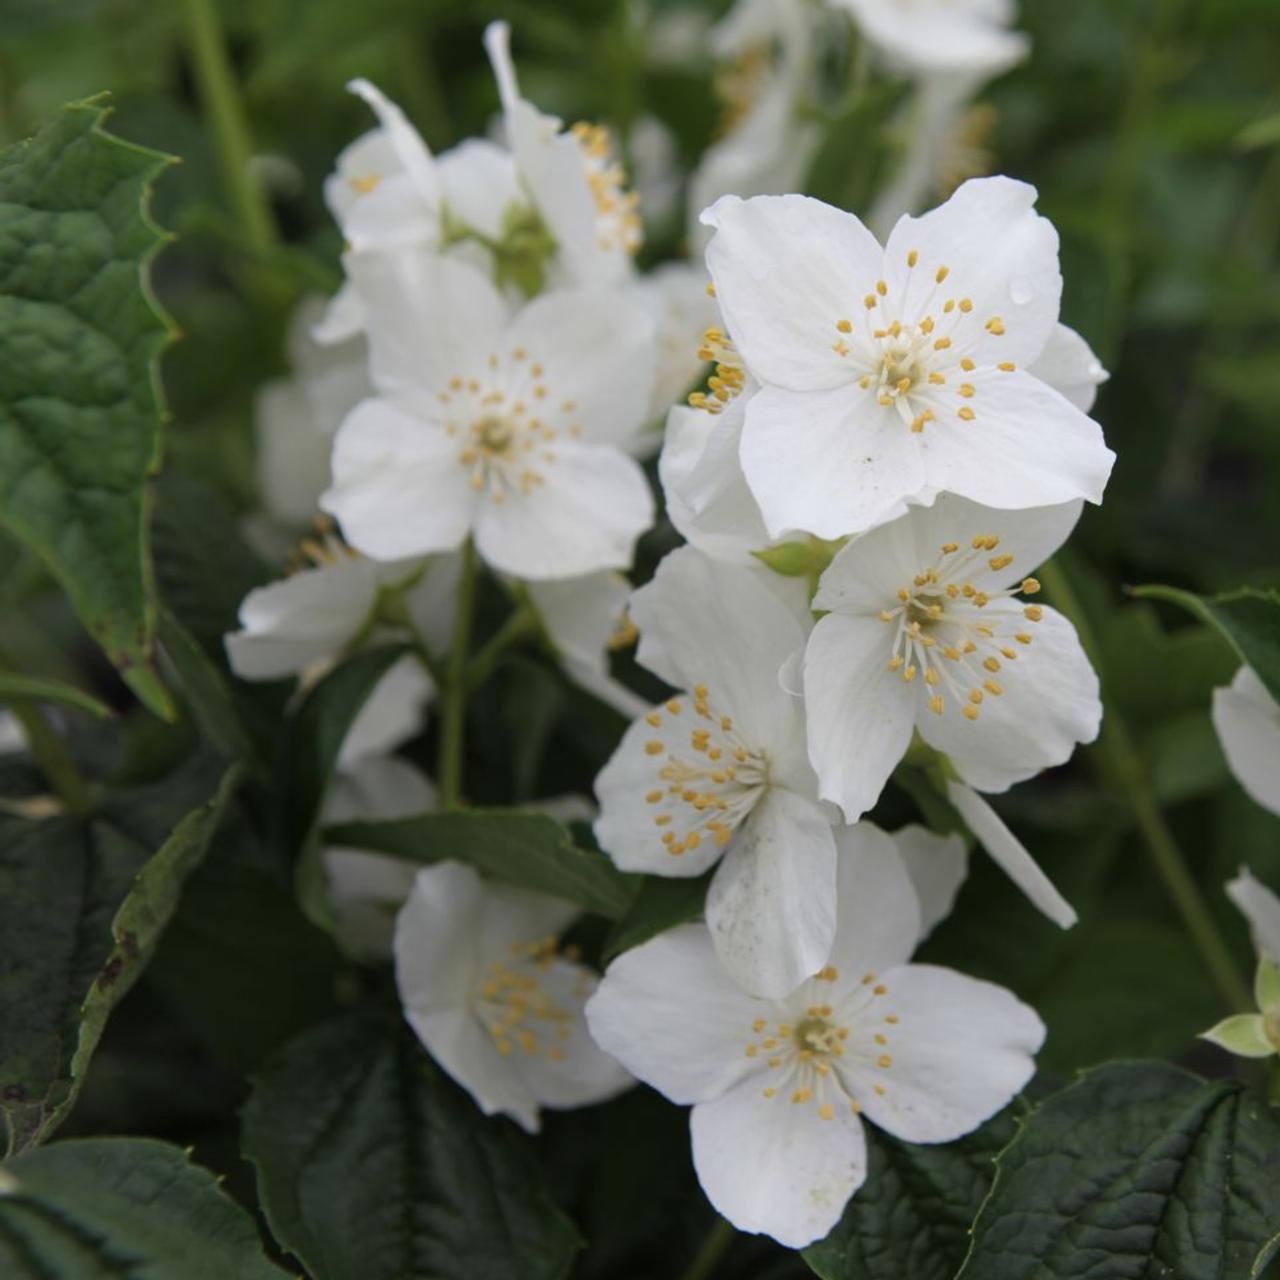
[81, 910]
[111, 1208]
[528, 849]
[1140, 1169]
[911, 1217]
[1249, 621]
[372, 1165]
[80, 407]
[662, 903]
[20, 688]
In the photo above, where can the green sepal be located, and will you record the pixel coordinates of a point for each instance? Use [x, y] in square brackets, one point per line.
[1242, 1034]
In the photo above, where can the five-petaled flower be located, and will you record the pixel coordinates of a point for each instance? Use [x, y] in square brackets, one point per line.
[780, 1087]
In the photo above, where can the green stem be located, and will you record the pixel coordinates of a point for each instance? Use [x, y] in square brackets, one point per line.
[453, 693]
[715, 1245]
[51, 754]
[1120, 765]
[522, 622]
[228, 122]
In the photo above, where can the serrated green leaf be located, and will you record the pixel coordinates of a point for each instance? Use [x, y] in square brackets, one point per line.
[911, 1217]
[372, 1165]
[661, 903]
[1139, 1164]
[1248, 619]
[20, 688]
[526, 849]
[82, 906]
[110, 1208]
[80, 403]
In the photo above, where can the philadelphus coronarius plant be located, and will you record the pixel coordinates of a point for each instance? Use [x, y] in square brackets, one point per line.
[780, 1087]
[1247, 719]
[894, 374]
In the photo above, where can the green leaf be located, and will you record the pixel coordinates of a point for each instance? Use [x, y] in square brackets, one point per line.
[911, 1217]
[80, 402]
[109, 1208]
[372, 1165]
[1248, 619]
[526, 849]
[662, 903]
[20, 688]
[81, 910]
[1144, 1166]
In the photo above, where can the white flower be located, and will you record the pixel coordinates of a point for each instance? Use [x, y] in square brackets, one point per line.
[720, 772]
[366, 890]
[296, 417]
[941, 35]
[764, 51]
[493, 1001]
[389, 193]
[1247, 720]
[572, 178]
[925, 634]
[1070, 367]
[1261, 907]
[1255, 1035]
[505, 429]
[899, 373]
[780, 1087]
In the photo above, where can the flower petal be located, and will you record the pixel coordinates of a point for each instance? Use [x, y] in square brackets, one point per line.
[775, 1167]
[674, 1019]
[1027, 446]
[429, 319]
[1247, 721]
[480, 184]
[937, 866]
[771, 907]
[593, 504]
[786, 270]
[960, 1050]
[1050, 702]
[860, 714]
[992, 251]
[410, 150]
[878, 911]
[287, 625]
[399, 489]
[725, 627]
[608, 383]
[391, 714]
[1007, 851]
[939, 37]
[1261, 907]
[1069, 366]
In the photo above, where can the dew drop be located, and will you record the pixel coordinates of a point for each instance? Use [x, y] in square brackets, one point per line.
[1020, 291]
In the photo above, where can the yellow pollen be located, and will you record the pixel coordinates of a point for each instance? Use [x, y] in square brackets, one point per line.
[966, 305]
[844, 326]
[995, 326]
[1006, 366]
[970, 713]
[827, 1111]
[912, 258]
[653, 748]
[884, 1061]
[1029, 586]
[1033, 613]
[942, 344]
[881, 288]
[967, 414]
[1000, 562]
[943, 273]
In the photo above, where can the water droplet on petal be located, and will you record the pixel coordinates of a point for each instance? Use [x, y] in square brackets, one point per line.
[1020, 291]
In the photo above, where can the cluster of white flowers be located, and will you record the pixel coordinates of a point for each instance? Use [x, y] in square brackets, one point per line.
[892, 440]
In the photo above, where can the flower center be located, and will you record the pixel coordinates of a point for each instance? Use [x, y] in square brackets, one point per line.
[943, 633]
[912, 354]
[618, 222]
[812, 1053]
[517, 1009]
[727, 378]
[707, 787]
[507, 422]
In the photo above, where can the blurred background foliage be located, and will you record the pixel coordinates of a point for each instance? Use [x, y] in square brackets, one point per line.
[1152, 130]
